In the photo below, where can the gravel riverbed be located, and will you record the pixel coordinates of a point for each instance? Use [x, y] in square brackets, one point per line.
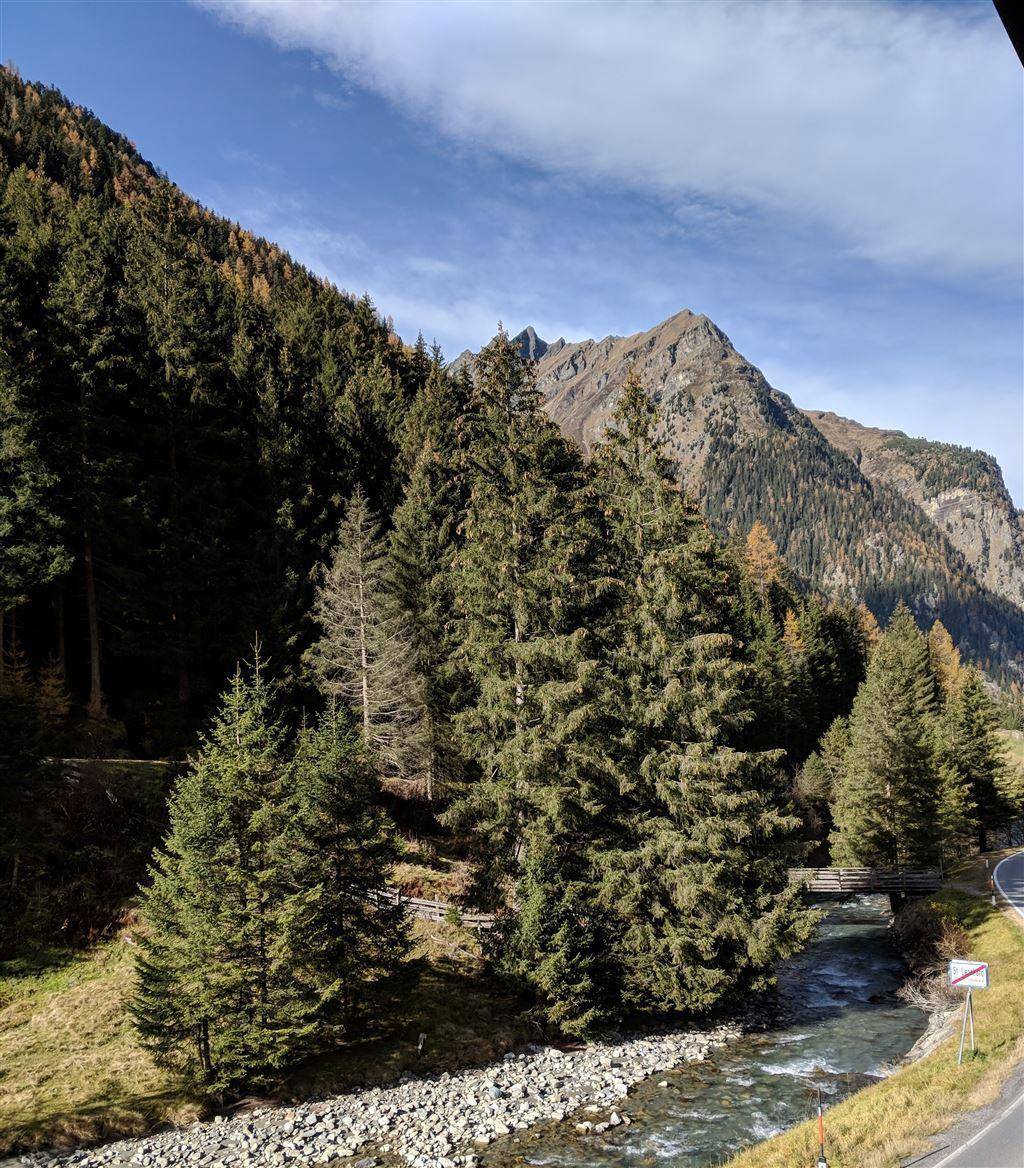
[430, 1122]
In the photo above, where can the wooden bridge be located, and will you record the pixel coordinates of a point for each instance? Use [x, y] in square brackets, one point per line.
[829, 881]
[843, 881]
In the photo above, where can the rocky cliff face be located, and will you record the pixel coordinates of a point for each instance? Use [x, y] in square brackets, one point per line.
[960, 490]
[700, 382]
[861, 518]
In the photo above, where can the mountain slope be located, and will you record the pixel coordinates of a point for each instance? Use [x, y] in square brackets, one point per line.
[748, 453]
[959, 489]
[183, 410]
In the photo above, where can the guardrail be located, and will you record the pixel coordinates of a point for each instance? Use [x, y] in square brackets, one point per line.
[845, 880]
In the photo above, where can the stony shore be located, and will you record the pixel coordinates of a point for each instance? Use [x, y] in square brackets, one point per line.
[431, 1122]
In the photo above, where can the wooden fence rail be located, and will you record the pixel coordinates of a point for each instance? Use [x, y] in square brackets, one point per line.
[845, 880]
[437, 910]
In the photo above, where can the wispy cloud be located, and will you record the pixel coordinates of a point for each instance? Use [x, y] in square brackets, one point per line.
[896, 126]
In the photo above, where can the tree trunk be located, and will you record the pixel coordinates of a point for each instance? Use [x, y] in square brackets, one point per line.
[3, 651]
[364, 665]
[95, 708]
[184, 685]
[62, 654]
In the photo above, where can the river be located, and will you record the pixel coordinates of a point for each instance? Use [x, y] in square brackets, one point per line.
[840, 1026]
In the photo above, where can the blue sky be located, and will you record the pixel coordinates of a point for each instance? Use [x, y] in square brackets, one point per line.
[837, 186]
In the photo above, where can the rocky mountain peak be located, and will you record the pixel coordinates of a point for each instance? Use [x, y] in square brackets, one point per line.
[530, 345]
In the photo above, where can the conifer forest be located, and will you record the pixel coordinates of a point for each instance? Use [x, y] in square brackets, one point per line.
[284, 595]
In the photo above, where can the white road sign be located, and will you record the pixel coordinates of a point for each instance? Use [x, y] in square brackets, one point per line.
[968, 975]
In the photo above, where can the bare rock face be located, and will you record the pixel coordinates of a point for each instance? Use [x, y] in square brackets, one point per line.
[864, 514]
[960, 490]
[694, 374]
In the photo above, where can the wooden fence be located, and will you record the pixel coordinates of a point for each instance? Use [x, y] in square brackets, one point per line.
[437, 910]
[848, 880]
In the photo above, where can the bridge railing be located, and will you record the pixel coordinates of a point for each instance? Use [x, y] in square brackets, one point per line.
[867, 879]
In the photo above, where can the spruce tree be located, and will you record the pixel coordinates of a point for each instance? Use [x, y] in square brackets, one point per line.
[33, 530]
[886, 804]
[424, 543]
[971, 756]
[526, 584]
[693, 872]
[337, 852]
[365, 655]
[217, 989]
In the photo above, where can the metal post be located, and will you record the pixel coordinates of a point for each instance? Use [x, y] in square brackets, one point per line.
[968, 1010]
[822, 1162]
[970, 1006]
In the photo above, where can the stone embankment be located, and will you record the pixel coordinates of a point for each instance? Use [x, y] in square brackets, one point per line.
[430, 1122]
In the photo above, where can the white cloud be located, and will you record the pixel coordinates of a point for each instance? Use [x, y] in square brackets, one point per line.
[899, 127]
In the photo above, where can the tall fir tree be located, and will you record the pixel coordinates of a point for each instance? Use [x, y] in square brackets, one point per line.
[693, 870]
[337, 852]
[33, 528]
[423, 545]
[885, 806]
[365, 655]
[971, 754]
[527, 581]
[217, 983]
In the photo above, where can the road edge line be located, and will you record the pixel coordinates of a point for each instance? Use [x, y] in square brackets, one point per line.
[1002, 891]
[978, 1135]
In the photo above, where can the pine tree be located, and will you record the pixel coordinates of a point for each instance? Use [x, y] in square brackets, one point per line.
[33, 547]
[945, 662]
[885, 805]
[971, 755]
[337, 851]
[217, 987]
[870, 627]
[693, 870]
[957, 812]
[365, 654]
[762, 559]
[424, 544]
[525, 588]
[54, 704]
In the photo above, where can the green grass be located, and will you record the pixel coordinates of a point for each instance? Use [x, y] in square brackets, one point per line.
[1014, 742]
[881, 1125]
[72, 1069]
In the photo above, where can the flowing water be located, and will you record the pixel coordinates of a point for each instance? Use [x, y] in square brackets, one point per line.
[841, 1026]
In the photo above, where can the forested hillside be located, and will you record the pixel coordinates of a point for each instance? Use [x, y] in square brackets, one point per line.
[183, 411]
[748, 454]
[960, 490]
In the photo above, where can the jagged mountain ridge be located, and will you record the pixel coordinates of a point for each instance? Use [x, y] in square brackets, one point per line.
[747, 452]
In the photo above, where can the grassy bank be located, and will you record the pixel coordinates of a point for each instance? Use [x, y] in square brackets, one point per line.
[1014, 742]
[893, 1119]
[70, 1066]
[72, 1070]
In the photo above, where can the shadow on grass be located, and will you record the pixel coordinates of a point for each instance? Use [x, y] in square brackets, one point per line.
[466, 1017]
[105, 1115]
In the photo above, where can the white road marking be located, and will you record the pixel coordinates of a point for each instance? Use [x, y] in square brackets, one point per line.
[978, 1135]
[1005, 895]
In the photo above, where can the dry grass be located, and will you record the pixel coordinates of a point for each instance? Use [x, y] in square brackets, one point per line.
[72, 1070]
[1014, 743]
[891, 1120]
[426, 874]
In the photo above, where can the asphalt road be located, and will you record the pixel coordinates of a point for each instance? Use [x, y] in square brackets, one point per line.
[1009, 880]
[993, 1137]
